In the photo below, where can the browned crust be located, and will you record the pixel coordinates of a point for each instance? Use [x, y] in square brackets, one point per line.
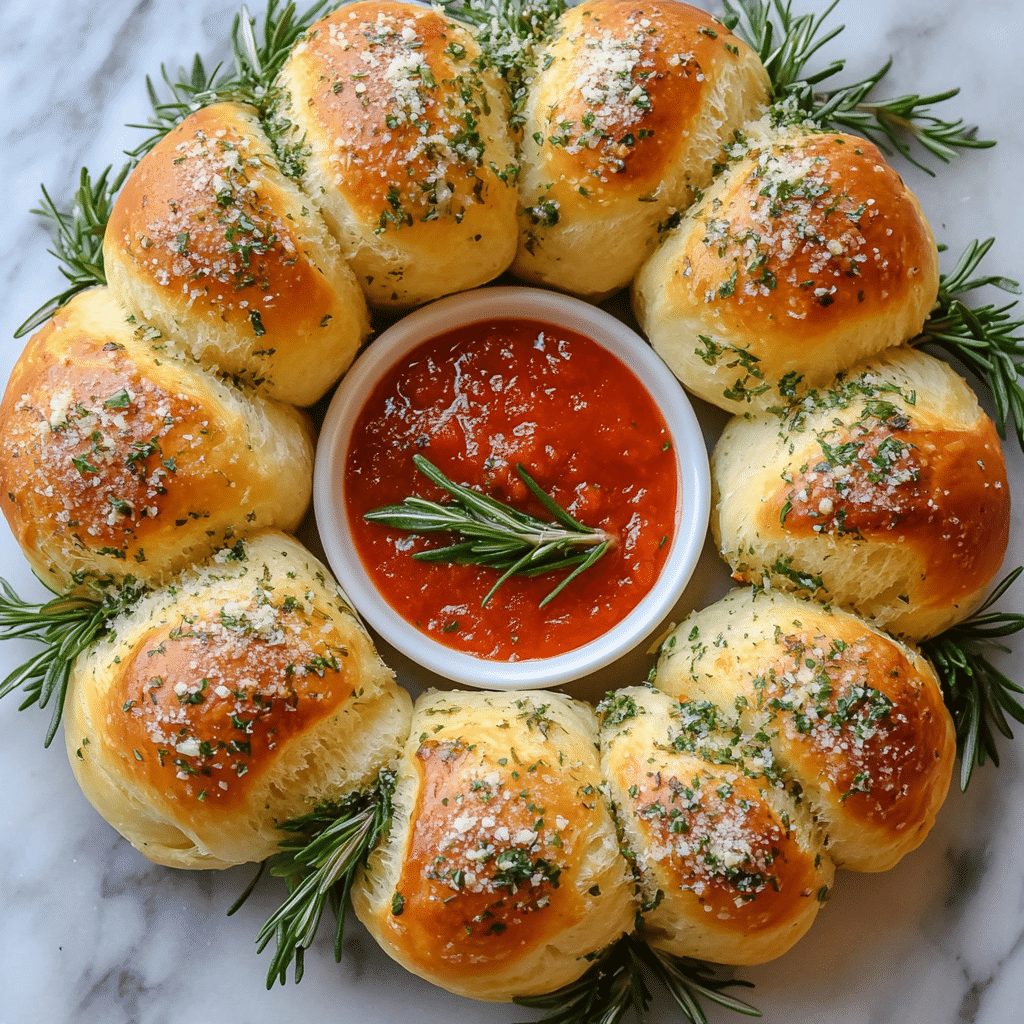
[211, 242]
[811, 234]
[99, 477]
[108, 465]
[206, 709]
[458, 917]
[852, 716]
[398, 162]
[690, 812]
[200, 219]
[942, 491]
[628, 141]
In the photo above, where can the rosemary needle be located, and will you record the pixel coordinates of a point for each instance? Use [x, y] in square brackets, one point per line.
[319, 863]
[495, 535]
[258, 57]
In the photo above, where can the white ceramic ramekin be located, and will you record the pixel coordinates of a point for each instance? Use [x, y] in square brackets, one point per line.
[692, 503]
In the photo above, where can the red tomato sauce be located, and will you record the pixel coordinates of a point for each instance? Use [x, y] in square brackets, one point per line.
[475, 402]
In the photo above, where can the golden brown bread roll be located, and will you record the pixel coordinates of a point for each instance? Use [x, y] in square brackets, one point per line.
[624, 121]
[119, 457]
[854, 718]
[807, 255]
[886, 495]
[234, 700]
[730, 863]
[212, 244]
[404, 145]
[501, 873]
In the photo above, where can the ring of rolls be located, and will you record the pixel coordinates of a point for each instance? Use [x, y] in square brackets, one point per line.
[153, 429]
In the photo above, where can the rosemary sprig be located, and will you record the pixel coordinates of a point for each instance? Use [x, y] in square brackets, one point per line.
[985, 339]
[786, 45]
[510, 33]
[894, 124]
[496, 535]
[78, 237]
[617, 982]
[319, 863]
[786, 42]
[251, 80]
[66, 626]
[979, 696]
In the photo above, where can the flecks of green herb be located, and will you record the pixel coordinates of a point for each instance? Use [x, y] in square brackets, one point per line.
[511, 34]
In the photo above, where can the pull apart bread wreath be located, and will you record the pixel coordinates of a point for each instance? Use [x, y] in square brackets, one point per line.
[222, 703]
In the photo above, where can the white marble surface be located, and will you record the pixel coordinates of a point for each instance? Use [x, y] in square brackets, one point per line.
[91, 932]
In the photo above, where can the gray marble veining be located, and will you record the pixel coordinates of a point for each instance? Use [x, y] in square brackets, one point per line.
[91, 932]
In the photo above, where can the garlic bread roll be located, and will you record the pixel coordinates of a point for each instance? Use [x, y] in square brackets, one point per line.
[730, 862]
[624, 121]
[234, 700]
[854, 718]
[806, 256]
[119, 457]
[501, 873]
[885, 495]
[404, 144]
[212, 244]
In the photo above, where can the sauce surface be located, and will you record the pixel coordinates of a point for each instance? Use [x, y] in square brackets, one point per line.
[475, 402]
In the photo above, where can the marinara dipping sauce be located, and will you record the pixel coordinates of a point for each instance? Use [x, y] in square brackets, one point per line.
[475, 402]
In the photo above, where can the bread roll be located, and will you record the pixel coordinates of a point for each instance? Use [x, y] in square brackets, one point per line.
[854, 718]
[886, 495]
[501, 873]
[120, 457]
[234, 700]
[212, 244]
[806, 256]
[730, 863]
[403, 143]
[624, 122]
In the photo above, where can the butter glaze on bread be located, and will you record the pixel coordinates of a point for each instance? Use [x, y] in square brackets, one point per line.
[630, 110]
[406, 149]
[121, 457]
[807, 255]
[731, 865]
[212, 244]
[247, 692]
[234, 700]
[501, 873]
[885, 494]
[855, 719]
